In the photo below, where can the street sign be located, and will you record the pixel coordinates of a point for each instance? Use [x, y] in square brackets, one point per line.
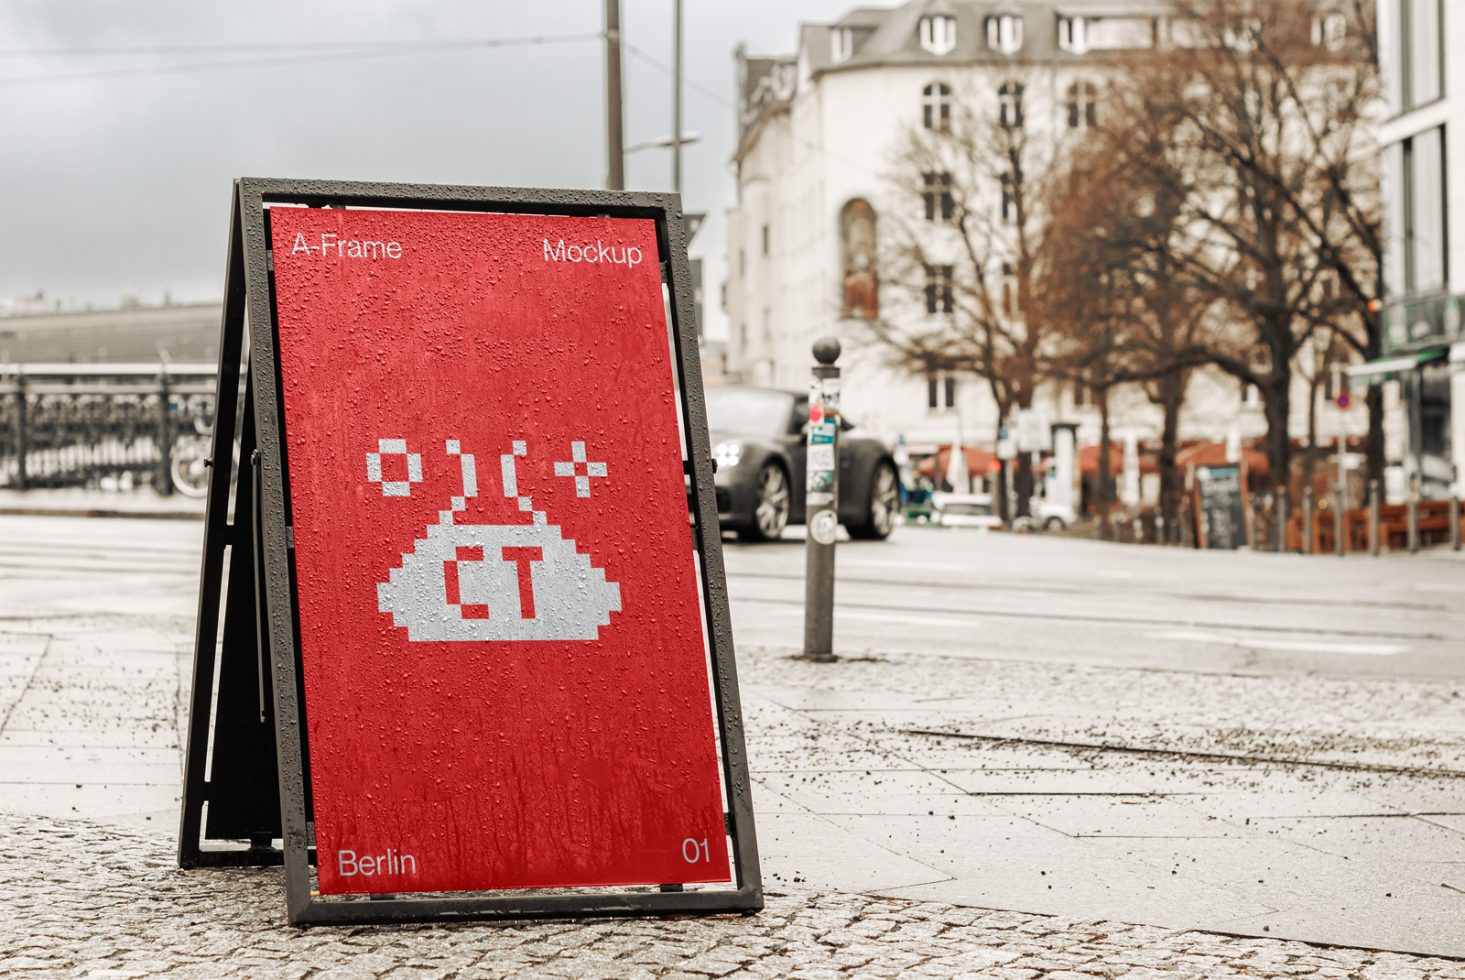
[1034, 433]
[479, 439]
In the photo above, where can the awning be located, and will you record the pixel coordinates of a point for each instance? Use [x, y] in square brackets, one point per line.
[1381, 368]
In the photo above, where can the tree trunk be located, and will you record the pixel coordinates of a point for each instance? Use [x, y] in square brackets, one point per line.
[999, 495]
[1101, 495]
[1373, 446]
[1172, 396]
[1309, 458]
[1024, 484]
[1277, 402]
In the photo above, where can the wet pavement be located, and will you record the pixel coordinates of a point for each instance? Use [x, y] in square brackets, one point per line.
[1089, 737]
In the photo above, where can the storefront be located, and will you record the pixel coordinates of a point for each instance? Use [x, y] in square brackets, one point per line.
[1424, 344]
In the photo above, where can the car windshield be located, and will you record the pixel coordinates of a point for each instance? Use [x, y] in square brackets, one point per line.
[748, 411]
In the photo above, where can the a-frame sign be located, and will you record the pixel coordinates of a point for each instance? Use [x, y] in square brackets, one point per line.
[463, 645]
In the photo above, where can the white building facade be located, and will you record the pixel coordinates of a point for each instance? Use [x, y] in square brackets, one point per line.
[818, 134]
[1423, 142]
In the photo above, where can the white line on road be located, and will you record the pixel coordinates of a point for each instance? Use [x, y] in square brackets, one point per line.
[888, 563]
[1295, 646]
[873, 615]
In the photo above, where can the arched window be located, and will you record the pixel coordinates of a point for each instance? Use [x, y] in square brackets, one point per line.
[1009, 105]
[860, 283]
[1329, 30]
[1083, 97]
[1004, 33]
[841, 44]
[938, 33]
[936, 106]
[1007, 287]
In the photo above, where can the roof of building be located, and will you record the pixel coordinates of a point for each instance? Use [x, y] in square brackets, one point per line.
[183, 332]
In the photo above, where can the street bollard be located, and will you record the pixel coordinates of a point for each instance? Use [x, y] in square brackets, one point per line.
[1413, 512]
[1339, 495]
[822, 503]
[1455, 489]
[1307, 520]
[1373, 517]
[1280, 529]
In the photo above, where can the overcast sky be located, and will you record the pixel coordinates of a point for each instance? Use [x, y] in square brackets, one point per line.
[118, 182]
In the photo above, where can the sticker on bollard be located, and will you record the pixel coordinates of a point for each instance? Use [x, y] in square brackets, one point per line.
[475, 525]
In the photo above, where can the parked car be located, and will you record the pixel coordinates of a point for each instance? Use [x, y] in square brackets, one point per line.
[967, 510]
[758, 439]
[1051, 516]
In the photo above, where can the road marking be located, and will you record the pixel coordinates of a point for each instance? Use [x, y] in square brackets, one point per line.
[869, 615]
[1295, 646]
[889, 563]
[876, 616]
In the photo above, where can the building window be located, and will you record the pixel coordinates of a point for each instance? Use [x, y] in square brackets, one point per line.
[940, 391]
[1009, 105]
[860, 280]
[938, 33]
[1414, 53]
[1081, 394]
[765, 240]
[1009, 197]
[939, 295]
[937, 196]
[841, 44]
[1083, 97]
[742, 262]
[1004, 33]
[936, 106]
[1007, 291]
[1119, 33]
[1330, 31]
[1415, 195]
[1073, 34]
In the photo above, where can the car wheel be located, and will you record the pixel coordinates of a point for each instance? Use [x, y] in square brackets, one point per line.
[770, 508]
[1054, 524]
[882, 507]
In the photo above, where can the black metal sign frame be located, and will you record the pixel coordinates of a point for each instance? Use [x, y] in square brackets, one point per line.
[246, 794]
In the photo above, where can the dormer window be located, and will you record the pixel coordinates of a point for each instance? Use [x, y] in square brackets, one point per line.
[1329, 30]
[1073, 34]
[841, 44]
[938, 33]
[1004, 33]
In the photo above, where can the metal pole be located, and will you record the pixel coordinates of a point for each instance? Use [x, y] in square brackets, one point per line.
[1281, 528]
[1338, 522]
[1413, 507]
[676, 97]
[22, 434]
[822, 502]
[164, 478]
[1307, 546]
[1373, 517]
[615, 173]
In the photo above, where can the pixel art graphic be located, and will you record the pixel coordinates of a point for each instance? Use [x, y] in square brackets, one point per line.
[494, 582]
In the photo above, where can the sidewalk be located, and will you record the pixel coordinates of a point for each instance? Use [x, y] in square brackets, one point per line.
[928, 814]
[100, 503]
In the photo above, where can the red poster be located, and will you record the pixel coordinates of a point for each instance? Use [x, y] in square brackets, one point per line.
[505, 668]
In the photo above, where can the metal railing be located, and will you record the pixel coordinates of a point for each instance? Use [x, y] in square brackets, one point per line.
[103, 426]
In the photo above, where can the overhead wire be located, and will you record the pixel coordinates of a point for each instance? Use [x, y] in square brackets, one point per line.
[305, 53]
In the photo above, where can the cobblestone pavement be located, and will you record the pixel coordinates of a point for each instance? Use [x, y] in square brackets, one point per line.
[902, 796]
[85, 899]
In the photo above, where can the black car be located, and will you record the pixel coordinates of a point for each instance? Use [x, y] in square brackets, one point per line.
[758, 440]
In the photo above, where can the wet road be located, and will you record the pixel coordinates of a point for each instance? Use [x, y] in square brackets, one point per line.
[959, 593]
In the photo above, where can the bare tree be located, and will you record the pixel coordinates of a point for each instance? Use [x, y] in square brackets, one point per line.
[1268, 112]
[968, 219]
